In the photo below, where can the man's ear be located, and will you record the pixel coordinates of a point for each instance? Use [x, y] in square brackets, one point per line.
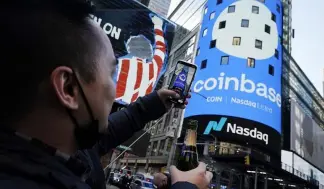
[65, 87]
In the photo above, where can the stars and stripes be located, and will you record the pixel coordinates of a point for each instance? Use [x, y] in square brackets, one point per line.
[136, 77]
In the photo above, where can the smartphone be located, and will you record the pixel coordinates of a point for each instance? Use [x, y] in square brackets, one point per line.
[181, 80]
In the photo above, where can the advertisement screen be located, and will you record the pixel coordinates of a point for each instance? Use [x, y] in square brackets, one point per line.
[307, 138]
[301, 168]
[141, 41]
[239, 59]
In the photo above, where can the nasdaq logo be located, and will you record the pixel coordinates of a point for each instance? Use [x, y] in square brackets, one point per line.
[213, 125]
[236, 129]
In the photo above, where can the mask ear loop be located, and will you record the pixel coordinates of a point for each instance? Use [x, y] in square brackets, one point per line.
[84, 99]
[83, 96]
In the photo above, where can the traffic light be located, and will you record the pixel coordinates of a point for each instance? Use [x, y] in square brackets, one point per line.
[211, 148]
[247, 160]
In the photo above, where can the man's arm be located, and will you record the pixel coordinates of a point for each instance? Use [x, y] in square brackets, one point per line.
[183, 185]
[123, 124]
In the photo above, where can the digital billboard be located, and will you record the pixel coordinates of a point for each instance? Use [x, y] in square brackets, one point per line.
[306, 137]
[239, 59]
[141, 41]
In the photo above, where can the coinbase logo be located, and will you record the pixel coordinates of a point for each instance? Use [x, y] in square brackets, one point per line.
[242, 84]
[236, 129]
[182, 77]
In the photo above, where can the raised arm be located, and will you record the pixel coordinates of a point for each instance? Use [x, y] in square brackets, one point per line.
[123, 124]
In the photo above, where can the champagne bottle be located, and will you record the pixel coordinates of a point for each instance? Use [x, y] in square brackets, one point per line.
[188, 158]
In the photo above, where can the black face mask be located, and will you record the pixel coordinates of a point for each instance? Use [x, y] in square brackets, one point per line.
[86, 135]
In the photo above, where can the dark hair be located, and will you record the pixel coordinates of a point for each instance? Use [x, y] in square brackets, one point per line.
[36, 36]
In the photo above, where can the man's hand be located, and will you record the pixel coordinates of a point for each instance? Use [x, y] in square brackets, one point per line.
[165, 95]
[199, 176]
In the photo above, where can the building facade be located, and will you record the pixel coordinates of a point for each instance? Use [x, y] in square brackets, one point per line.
[159, 6]
[294, 84]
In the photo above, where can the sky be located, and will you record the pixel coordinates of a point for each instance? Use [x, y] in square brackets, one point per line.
[309, 35]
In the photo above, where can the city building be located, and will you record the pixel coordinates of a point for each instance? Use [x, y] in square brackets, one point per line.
[296, 89]
[323, 84]
[159, 6]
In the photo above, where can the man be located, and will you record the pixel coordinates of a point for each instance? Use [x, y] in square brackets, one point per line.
[57, 69]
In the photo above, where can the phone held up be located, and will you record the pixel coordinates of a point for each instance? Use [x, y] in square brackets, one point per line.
[181, 80]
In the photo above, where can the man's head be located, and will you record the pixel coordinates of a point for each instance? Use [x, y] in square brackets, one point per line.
[139, 46]
[48, 48]
[160, 180]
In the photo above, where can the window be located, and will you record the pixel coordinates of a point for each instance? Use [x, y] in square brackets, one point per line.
[245, 23]
[276, 53]
[262, 1]
[167, 119]
[231, 9]
[236, 41]
[154, 148]
[255, 9]
[251, 62]
[169, 145]
[273, 17]
[271, 70]
[278, 9]
[206, 10]
[198, 52]
[219, 2]
[203, 64]
[222, 24]
[258, 44]
[212, 15]
[205, 32]
[137, 182]
[224, 60]
[267, 29]
[212, 44]
[176, 113]
[280, 39]
[162, 143]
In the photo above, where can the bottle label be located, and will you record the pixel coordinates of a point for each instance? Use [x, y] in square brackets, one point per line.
[191, 138]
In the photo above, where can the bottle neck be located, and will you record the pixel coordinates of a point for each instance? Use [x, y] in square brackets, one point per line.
[191, 137]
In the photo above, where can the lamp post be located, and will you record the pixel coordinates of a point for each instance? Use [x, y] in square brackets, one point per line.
[173, 147]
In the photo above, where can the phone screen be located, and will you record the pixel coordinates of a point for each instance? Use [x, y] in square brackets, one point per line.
[182, 78]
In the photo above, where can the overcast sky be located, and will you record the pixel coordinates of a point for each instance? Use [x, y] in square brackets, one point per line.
[309, 35]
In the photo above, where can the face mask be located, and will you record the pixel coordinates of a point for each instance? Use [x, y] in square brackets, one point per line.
[86, 135]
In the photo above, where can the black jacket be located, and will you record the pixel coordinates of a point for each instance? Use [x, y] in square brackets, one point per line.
[24, 165]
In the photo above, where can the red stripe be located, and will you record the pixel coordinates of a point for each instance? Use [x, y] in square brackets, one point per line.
[134, 97]
[158, 32]
[149, 89]
[139, 75]
[161, 46]
[159, 62]
[122, 79]
[151, 71]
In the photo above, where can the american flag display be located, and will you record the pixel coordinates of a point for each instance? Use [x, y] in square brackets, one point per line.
[141, 40]
[137, 76]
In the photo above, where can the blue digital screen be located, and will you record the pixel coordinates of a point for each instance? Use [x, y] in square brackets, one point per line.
[181, 80]
[239, 60]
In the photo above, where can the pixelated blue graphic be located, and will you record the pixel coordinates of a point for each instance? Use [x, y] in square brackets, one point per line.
[239, 76]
